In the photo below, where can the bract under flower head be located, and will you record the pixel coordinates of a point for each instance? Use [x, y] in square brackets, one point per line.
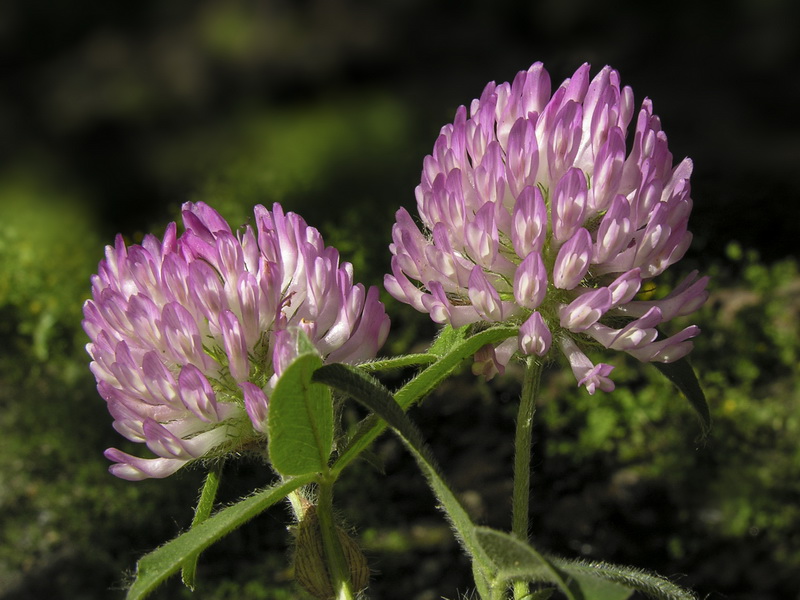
[190, 333]
[535, 211]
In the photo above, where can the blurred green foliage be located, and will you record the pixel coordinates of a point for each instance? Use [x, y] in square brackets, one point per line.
[45, 241]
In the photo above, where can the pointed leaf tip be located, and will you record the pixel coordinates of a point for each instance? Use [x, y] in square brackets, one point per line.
[683, 376]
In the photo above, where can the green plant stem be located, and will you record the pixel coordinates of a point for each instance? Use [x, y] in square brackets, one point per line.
[397, 362]
[421, 385]
[205, 505]
[498, 592]
[334, 556]
[522, 459]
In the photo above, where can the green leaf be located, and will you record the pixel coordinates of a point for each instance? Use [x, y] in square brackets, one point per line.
[300, 423]
[683, 376]
[514, 560]
[588, 573]
[155, 567]
[420, 386]
[204, 507]
[595, 588]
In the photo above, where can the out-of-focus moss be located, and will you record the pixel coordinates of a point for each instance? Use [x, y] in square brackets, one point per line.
[48, 249]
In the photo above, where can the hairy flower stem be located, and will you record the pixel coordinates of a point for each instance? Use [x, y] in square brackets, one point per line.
[522, 458]
[205, 504]
[334, 556]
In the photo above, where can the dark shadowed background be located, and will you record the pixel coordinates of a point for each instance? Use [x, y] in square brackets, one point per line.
[113, 114]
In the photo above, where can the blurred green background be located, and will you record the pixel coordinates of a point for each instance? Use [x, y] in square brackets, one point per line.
[113, 114]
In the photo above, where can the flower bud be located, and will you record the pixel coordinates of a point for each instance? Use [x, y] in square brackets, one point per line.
[310, 566]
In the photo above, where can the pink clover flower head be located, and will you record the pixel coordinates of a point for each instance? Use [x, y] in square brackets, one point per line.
[189, 334]
[534, 210]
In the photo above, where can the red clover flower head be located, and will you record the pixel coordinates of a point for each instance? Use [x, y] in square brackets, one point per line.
[536, 212]
[190, 333]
